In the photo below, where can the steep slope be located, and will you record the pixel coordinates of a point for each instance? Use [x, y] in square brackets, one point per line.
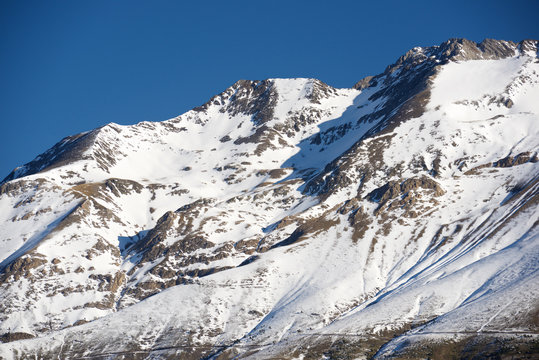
[287, 218]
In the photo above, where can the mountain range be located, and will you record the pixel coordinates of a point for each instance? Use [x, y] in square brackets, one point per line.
[289, 219]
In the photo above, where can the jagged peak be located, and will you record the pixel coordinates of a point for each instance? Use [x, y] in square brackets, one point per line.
[310, 89]
[258, 98]
[454, 49]
[529, 46]
[464, 49]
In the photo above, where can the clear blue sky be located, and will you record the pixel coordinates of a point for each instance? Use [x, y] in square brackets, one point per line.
[71, 66]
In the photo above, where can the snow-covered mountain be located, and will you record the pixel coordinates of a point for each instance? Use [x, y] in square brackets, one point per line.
[289, 219]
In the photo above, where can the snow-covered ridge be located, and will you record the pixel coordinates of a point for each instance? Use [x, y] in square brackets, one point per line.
[274, 99]
[285, 216]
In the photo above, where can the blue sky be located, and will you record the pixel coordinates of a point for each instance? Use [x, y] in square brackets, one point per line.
[71, 66]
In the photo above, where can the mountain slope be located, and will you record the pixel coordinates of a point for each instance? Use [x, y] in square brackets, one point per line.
[287, 218]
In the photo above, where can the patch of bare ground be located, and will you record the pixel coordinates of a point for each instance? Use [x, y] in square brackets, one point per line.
[340, 346]
[471, 348]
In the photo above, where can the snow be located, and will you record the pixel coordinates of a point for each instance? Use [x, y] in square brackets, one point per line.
[471, 80]
[468, 259]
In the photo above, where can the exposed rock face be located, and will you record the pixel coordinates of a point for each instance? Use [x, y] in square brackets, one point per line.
[68, 150]
[255, 98]
[286, 218]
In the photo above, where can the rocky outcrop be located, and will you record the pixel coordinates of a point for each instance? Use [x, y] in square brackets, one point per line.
[68, 150]
[14, 336]
[518, 159]
[254, 98]
[404, 195]
[22, 267]
[394, 189]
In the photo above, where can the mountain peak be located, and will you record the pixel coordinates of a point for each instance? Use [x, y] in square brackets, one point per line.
[71, 148]
[259, 97]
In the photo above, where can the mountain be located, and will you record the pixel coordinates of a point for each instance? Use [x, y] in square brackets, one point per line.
[289, 219]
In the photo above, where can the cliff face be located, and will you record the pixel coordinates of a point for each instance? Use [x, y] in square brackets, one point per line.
[285, 217]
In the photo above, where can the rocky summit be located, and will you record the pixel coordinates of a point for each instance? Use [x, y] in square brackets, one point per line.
[287, 219]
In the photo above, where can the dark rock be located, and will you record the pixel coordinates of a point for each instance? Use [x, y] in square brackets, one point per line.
[508, 103]
[365, 83]
[15, 336]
